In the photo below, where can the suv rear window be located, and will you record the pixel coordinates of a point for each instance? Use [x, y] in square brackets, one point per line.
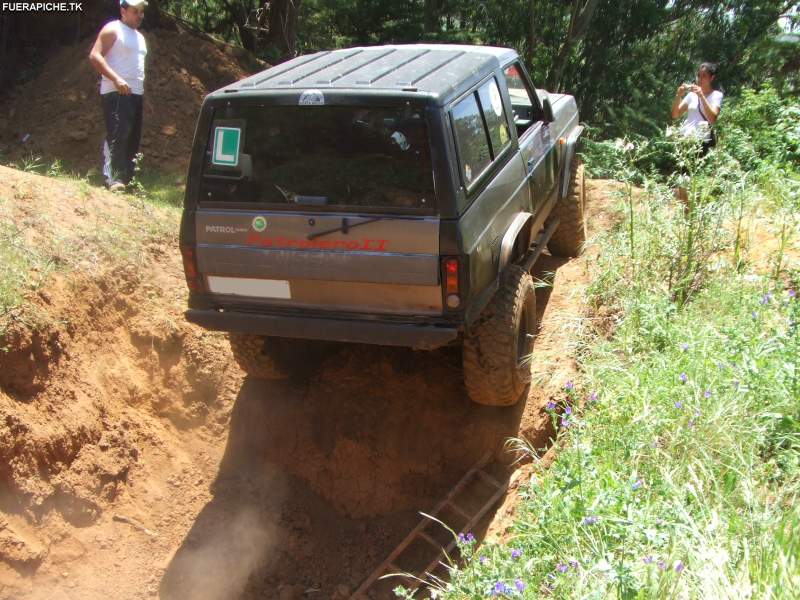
[321, 156]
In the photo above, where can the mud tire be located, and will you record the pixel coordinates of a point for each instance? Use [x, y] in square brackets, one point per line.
[258, 355]
[567, 241]
[496, 353]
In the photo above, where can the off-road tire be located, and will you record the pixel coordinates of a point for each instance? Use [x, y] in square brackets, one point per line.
[568, 238]
[496, 353]
[257, 355]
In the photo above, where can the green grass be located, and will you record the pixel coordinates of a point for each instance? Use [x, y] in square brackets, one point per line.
[99, 240]
[678, 472]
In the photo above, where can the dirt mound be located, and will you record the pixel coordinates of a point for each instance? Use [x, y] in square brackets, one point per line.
[57, 115]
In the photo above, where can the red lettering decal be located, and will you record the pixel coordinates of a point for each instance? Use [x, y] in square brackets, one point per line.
[381, 245]
[352, 245]
[325, 244]
[252, 238]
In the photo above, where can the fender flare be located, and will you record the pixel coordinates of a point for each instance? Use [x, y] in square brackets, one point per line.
[510, 237]
[569, 153]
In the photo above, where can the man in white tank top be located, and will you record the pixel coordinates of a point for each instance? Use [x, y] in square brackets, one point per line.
[118, 55]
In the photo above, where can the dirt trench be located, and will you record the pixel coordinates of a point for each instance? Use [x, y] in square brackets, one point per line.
[136, 461]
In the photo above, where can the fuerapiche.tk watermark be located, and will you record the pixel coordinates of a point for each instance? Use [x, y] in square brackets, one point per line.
[28, 7]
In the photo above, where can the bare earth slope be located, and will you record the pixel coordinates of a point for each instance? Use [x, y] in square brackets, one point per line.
[137, 462]
[58, 115]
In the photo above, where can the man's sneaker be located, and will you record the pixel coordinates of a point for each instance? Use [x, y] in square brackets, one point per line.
[117, 186]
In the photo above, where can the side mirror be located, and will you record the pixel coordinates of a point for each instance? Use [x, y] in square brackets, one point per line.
[547, 108]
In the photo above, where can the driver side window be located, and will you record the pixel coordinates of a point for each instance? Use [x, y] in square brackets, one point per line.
[524, 101]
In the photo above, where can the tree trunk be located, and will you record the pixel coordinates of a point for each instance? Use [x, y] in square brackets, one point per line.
[431, 16]
[531, 32]
[579, 21]
[282, 34]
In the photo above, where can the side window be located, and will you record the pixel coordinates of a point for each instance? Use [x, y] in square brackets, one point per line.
[473, 145]
[524, 101]
[495, 116]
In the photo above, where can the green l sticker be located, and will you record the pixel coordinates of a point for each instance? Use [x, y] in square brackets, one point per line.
[226, 146]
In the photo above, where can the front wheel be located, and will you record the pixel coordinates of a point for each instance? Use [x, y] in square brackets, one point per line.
[567, 241]
[497, 352]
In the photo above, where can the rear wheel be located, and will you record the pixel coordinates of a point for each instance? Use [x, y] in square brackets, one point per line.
[497, 353]
[260, 356]
[568, 239]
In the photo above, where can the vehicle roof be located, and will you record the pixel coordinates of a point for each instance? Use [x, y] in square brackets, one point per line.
[436, 70]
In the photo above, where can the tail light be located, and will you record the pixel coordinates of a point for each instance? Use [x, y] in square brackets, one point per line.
[190, 269]
[452, 292]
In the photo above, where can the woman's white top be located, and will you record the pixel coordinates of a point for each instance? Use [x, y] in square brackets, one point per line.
[695, 123]
[126, 57]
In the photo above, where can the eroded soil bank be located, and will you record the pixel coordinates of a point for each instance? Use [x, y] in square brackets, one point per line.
[136, 461]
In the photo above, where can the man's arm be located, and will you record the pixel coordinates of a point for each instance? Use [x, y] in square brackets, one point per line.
[97, 57]
[679, 103]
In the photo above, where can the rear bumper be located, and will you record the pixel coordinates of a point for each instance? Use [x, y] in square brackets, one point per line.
[413, 335]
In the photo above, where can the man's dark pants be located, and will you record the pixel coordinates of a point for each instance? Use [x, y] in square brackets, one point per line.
[123, 116]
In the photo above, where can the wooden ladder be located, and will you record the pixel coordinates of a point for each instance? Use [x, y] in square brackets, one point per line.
[467, 510]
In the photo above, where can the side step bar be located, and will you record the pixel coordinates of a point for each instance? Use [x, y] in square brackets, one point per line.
[535, 251]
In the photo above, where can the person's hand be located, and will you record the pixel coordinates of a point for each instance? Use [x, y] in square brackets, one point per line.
[696, 89]
[681, 90]
[122, 87]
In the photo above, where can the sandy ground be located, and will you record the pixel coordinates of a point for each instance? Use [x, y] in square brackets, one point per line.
[136, 461]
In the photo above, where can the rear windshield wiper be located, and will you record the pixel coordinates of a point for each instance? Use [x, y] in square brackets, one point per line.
[345, 227]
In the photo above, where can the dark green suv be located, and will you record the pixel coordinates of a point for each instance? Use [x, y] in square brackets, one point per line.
[393, 195]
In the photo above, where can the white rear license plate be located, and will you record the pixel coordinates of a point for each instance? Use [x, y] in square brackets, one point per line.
[243, 286]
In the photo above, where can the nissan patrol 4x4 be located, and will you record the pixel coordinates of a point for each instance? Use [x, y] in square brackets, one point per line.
[394, 195]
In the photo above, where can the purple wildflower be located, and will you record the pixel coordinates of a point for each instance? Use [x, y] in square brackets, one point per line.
[754, 314]
[470, 538]
[565, 422]
[520, 585]
[637, 484]
[483, 560]
[678, 404]
[792, 293]
[562, 568]
[707, 393]
[569, 386]
[662, 565]
[574, 564]
[679, 567]
[568, 410]
[684, 346]
[500, 588]
[591, 520]
[593, 396]
[516, 553]
[766, 298]
[683, 377]
[647, 560]
[551, 405]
